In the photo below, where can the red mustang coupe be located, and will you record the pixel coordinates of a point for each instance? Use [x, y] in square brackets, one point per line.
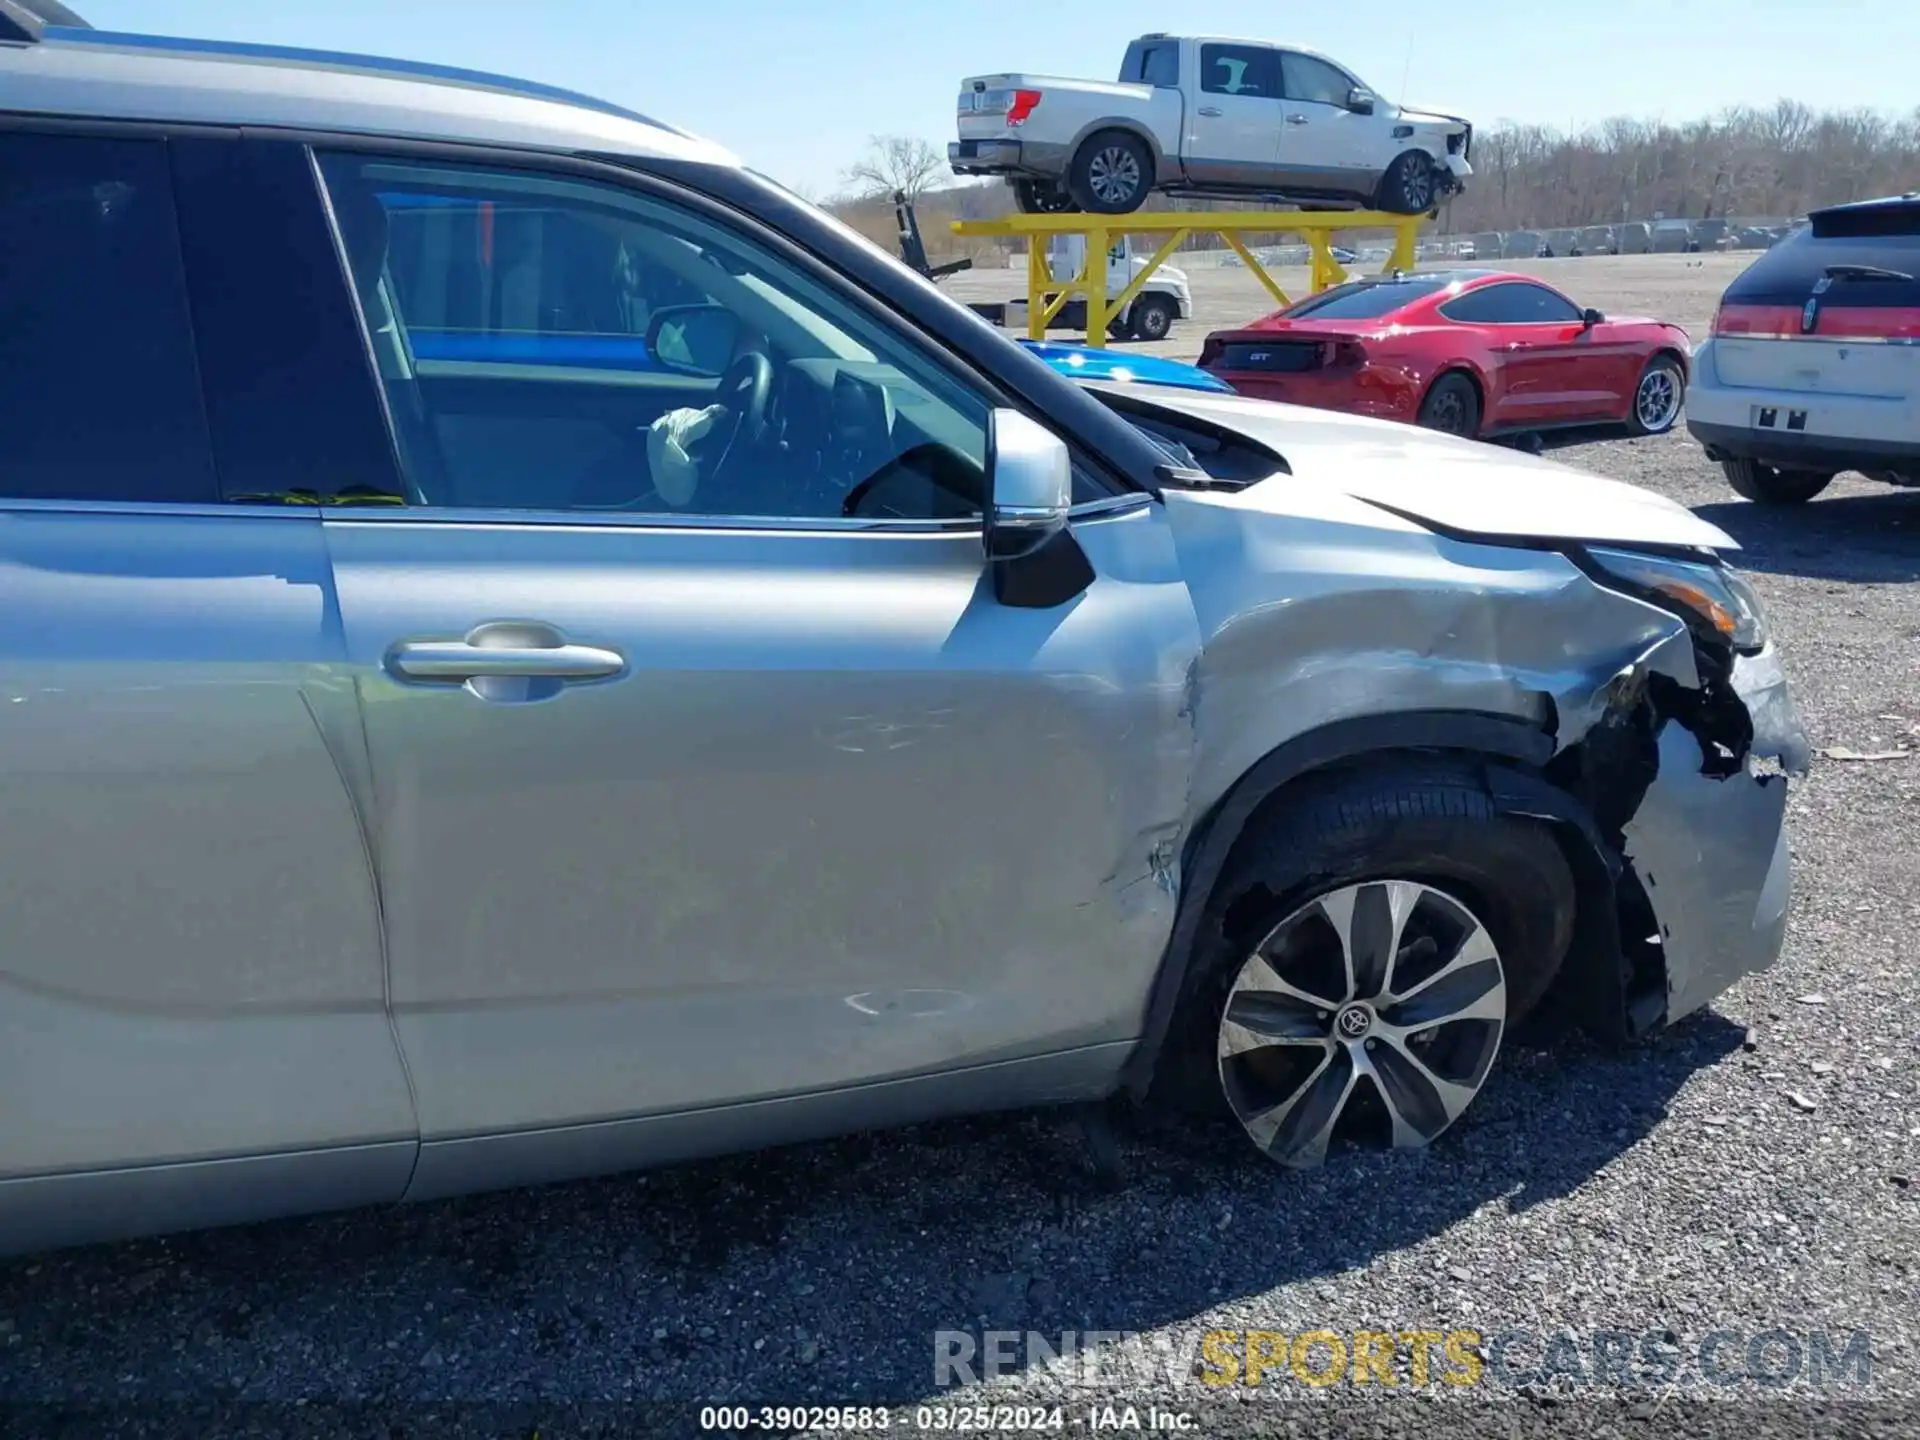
[1471, 352]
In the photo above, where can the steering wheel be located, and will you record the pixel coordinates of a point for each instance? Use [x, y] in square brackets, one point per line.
[745, 389]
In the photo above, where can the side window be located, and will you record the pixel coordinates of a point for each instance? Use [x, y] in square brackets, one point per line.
[549, 343]
[96, 349]
[1314, 81]
[1160, 65]
[1240, 70]
[1513, 304]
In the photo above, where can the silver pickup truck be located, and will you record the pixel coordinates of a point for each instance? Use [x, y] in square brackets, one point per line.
[1208, 116]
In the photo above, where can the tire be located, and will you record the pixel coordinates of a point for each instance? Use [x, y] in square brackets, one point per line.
[1452, 406]
[1040, 197]
[1410, 186]
[1112, 173]
[1765, 485]
[1654, 407]
[1404, 827]
[1153, 317]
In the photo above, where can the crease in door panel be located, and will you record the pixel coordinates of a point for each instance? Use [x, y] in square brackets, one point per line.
[369, 852]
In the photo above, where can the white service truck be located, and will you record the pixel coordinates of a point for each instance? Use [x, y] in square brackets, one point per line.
[1208, 116]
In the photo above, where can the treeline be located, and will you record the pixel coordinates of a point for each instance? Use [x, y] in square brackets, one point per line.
[1777, 161]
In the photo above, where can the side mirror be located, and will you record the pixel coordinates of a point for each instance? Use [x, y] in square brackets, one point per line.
[693, 339]
[1036, 561]
[1360, 100]
[1591, 318]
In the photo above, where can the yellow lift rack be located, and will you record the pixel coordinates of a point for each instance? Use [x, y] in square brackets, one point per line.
[1047, 296]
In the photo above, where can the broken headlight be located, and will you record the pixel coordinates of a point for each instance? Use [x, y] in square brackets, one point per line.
[1714, 599]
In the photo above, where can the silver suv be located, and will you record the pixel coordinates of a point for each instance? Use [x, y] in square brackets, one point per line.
[534, 652]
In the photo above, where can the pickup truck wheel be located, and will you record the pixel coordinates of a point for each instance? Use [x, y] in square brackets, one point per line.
[1112, 174]
[1040, 197]
[1153, 317]
[1362, 957]
[1409, 186]
[1765, 485]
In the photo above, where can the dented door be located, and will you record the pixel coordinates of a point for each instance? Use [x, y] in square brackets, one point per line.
[836, 816]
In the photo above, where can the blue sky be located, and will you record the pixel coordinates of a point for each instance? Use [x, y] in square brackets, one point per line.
[796, 86]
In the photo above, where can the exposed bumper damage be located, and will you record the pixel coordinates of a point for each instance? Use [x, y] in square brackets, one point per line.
[1683, 762]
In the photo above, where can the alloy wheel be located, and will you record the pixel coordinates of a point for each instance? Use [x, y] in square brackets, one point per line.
[1657, 400]
[1416, 184]
[1448, 414]
[1373, 1011]
[1113, 175]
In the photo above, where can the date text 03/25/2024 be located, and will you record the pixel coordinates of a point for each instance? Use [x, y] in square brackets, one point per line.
[949, 1419]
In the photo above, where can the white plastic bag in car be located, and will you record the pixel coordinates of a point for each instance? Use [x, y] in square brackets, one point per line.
[675, 475]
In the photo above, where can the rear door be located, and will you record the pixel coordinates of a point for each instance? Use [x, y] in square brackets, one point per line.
[193, 964]
[1548, 367]
[1234, 125]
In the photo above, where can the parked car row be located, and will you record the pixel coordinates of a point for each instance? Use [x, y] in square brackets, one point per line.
[543, 653]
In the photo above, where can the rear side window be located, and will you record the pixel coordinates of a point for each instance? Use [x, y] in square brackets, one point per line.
[1846, 248]
[1364, 299]
[1511, 305]
[1240, 70]
[96, 349]
[1155, 63]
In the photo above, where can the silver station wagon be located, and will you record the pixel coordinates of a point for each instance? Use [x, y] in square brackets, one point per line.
[530, 652]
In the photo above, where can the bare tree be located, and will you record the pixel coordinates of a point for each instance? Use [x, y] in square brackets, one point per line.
[895, 162]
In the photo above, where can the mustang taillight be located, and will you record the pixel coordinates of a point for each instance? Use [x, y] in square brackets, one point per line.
[1021, 106]
[1343, 355]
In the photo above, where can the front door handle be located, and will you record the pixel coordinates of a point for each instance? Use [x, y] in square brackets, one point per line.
[1212, 112]
[1296, 119]
[504, 660]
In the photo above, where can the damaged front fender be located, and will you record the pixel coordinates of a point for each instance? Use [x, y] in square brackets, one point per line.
[1708, 843]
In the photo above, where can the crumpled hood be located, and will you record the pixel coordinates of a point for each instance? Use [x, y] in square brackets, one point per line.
[1454, 484]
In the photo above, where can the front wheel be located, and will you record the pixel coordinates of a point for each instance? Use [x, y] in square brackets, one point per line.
[1656, 397]
[1364, 957]
[1112, 174]
[1765, 485]
[1410, 186]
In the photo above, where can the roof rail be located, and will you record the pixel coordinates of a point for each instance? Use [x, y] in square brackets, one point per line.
[23, 21]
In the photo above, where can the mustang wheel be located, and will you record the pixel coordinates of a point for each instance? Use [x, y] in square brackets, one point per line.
[1656, 399]
[1390, 982]
[1452, 406]
[1040, 197]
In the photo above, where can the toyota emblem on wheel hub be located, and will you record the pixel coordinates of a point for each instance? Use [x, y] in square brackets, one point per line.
[1353, 1022]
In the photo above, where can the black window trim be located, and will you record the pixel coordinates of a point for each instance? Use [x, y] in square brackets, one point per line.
[1517, 284]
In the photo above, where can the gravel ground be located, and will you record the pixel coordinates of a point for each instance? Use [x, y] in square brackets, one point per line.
[1751, 1170]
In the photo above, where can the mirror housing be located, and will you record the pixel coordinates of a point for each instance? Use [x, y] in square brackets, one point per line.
[1590, 318]
[693, 339]
[1036, 562]
[1360, 100]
